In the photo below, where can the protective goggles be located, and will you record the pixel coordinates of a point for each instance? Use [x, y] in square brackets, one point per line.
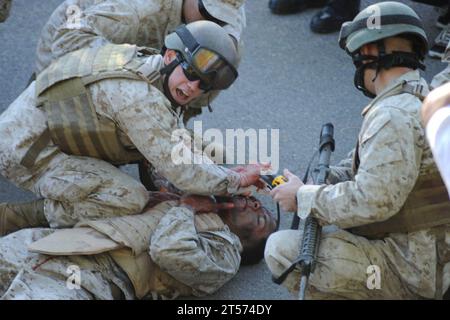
[199, 63]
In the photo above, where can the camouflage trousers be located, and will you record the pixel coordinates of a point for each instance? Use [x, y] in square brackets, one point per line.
[75, 188]
[31, 276]
[81, 188]
[343, 267]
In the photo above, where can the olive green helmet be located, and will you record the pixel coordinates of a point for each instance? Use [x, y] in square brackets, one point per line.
[381, 21]
[206, 52]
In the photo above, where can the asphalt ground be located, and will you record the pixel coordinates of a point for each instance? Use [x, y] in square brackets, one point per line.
[290, 79]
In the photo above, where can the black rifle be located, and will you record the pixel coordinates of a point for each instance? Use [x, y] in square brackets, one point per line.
[311, 228]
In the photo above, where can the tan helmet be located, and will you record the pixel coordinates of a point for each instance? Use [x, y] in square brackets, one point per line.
[380, 21]
[374, 24]
[207, 52]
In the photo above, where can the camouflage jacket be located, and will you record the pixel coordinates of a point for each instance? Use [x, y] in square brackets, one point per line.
[147, 118]
[393, 152]
[80, 23]
[189, 261]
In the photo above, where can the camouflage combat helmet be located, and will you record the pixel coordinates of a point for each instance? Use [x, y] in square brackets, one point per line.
[206, 52]
[376, 23]
[380, 21]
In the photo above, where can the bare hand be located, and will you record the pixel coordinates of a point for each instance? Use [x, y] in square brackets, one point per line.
[250, 175]
[286, 194]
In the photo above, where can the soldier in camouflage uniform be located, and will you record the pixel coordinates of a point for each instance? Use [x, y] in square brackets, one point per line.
[388, 201]
[5, 7]
[78, 24]
[97, 108]
[178, 247]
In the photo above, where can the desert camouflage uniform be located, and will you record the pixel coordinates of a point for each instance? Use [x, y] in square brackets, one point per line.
[5, 7]
[189, 262]
[77, 24]
[79, 188]
[393, 153]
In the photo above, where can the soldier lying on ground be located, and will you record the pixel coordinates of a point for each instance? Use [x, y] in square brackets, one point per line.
[96, 108]
[389, 200]
[188, 246]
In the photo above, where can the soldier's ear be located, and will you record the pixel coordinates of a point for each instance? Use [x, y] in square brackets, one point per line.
[169, 56]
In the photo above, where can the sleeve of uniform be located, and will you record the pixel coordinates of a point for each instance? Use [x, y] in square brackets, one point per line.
[153, 129]
[203, 261]
[113, 21]
[389, 167]
[238, 27]
[343, 171]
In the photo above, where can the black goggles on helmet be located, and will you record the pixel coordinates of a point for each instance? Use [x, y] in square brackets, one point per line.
[199, 63]
[191, 74]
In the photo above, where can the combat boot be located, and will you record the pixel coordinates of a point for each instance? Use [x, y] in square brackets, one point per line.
[330, 18]
[294, 6]
[19, 216]
[5, 7]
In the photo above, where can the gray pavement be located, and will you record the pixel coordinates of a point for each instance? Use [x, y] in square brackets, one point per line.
[290, 79]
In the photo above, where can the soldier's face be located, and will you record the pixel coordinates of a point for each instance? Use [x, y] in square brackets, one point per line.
[182, 90]
[250, 217]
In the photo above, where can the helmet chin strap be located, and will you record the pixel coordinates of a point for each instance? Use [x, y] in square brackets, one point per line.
[380, 62]
[359, 76]
[166, 71]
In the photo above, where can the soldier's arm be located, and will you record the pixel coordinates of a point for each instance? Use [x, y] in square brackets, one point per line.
[237, 29]
[108, 21]
[203, 261]
[343, 171]
[390, 163]
[154, 130]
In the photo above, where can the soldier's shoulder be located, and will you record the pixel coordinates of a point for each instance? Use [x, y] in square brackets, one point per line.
[401, 108]
[389, 120]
